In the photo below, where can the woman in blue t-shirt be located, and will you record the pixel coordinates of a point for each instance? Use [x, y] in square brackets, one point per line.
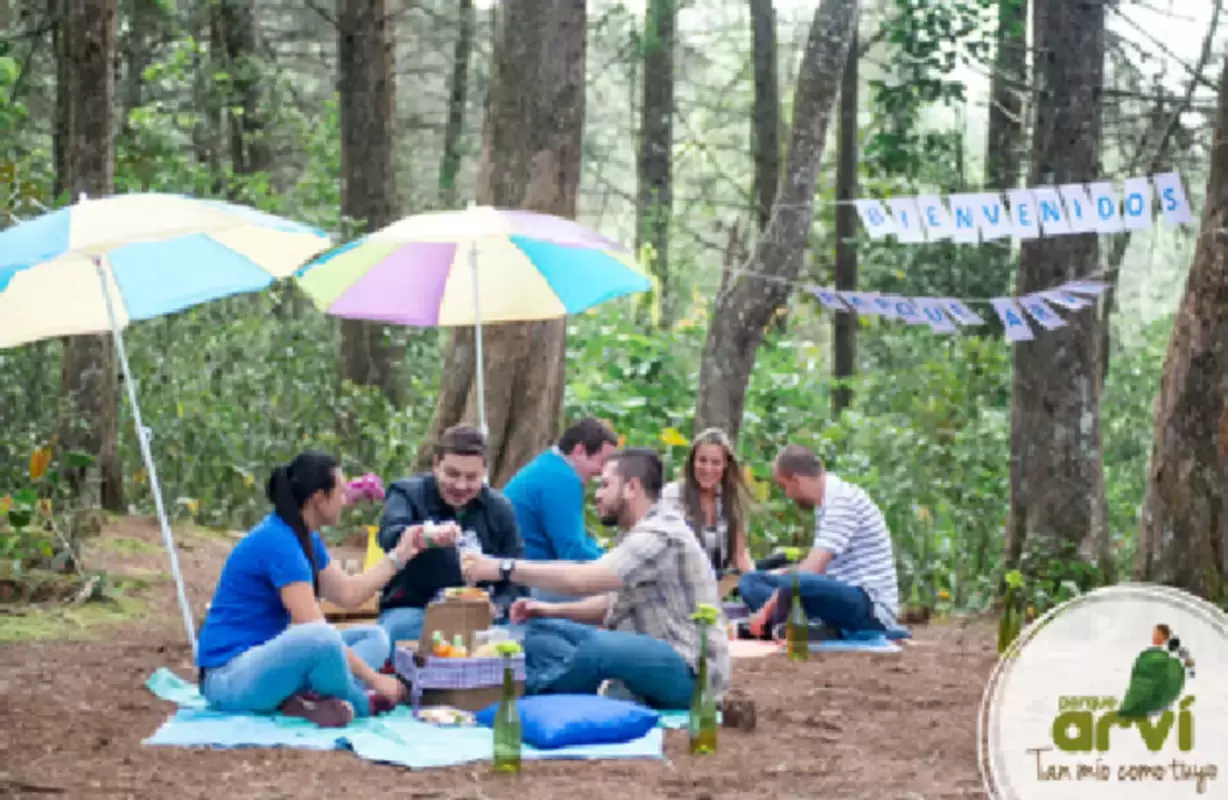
[265, 645]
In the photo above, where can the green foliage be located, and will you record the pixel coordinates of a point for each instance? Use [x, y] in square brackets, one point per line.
[234, 387]
[37, 519]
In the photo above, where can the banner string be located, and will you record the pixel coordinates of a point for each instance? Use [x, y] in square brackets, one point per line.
[805, 284]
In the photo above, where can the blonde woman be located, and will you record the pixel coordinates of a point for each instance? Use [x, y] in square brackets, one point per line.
[713, 497]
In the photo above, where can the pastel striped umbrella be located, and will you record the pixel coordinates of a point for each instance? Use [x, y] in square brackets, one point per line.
[99, 264]
[156, 254]
[474, 267]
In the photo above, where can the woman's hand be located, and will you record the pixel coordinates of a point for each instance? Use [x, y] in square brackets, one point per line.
[409, 545]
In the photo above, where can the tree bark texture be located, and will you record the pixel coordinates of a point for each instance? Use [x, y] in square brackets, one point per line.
[531, 158]
[89, 382]
[746, 305]
[654, 205]
[1057, 511]
[368, 167]
[765, 123]
[1183, 539]
[844, 326]
[449, 167]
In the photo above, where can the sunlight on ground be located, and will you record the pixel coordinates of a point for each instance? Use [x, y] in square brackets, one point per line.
[75, 623]
[127, 545]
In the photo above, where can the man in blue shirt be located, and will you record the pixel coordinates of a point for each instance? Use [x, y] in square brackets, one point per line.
[548, 493]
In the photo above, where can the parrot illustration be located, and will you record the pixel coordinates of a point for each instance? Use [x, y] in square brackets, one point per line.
[1158, 676]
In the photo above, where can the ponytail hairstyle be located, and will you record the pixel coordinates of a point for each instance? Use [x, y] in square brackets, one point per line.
[291, 486]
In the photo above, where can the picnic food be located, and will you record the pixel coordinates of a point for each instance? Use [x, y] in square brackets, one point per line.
[447, 716]
[439, 647]
[465, 593]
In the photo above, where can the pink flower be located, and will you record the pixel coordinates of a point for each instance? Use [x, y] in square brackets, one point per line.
[368, 487]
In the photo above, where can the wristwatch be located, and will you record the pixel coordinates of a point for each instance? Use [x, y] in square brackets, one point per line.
[505, 569]
[396, 562]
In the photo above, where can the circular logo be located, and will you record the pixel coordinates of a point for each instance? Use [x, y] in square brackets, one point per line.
[1118, 694]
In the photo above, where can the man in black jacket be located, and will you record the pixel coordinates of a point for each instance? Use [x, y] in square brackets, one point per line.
[454, 491]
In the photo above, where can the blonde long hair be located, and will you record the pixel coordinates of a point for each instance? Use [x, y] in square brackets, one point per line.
[735, 494]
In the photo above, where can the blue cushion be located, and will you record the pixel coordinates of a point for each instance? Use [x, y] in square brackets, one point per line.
[550, 721]
[892, 634]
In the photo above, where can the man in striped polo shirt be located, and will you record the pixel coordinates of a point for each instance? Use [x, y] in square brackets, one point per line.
[849, 579]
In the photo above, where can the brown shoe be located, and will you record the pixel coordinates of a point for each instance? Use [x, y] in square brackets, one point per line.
[327, 712]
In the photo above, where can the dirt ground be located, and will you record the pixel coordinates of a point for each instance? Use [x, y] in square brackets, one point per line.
[880, 726]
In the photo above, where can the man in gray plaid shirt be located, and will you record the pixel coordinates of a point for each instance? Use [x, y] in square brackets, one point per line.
[634, 624]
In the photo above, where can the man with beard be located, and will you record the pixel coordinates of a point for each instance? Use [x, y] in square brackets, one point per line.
[455, 494]
[849, 579]
[633, 625]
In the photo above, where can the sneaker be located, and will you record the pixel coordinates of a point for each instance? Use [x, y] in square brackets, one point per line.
[327, 712]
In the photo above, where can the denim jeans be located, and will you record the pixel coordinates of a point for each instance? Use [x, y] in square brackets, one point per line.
[838, 604]
[565, 657]
[543, 596]
[402, 624]
[303, 657]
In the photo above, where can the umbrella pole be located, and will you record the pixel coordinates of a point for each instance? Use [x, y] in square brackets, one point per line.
[143, 440]
[477, 337]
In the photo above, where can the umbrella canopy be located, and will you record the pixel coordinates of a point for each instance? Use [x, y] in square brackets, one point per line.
[478, 266]
[163, 253]
[97, 265]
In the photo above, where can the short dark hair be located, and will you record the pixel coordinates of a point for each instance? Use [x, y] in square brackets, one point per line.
[797, 459]
[1164, 629]
[590, 432]
[644, 465]
[461, 440]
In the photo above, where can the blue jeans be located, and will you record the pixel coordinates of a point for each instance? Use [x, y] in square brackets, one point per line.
[303, 657]
[551, 597]
[402, 624]
[565, 657]
[840, 605]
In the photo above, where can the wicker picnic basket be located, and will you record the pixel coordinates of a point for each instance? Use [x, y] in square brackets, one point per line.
[470, 684]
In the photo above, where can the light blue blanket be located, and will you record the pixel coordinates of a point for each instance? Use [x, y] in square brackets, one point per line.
[395, 738]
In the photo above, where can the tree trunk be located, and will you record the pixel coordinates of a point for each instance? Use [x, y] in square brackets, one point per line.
[235, 22]
[746, 305]
[765, 124]
[1057, 513]
[63, 100]
[1183, 539]
[844, 339]
[1004, 141]
[654, 205]
[89, 383]
[368, 167]
[449, 168]
[531, 158]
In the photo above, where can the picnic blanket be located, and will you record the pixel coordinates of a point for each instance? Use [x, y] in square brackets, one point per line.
[393, 738]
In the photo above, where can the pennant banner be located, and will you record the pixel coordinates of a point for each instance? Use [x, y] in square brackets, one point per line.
[948, 314]
[1028, 213]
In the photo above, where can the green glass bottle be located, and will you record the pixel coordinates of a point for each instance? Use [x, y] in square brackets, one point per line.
[702, 722]
[797, 628]
[507, 726]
